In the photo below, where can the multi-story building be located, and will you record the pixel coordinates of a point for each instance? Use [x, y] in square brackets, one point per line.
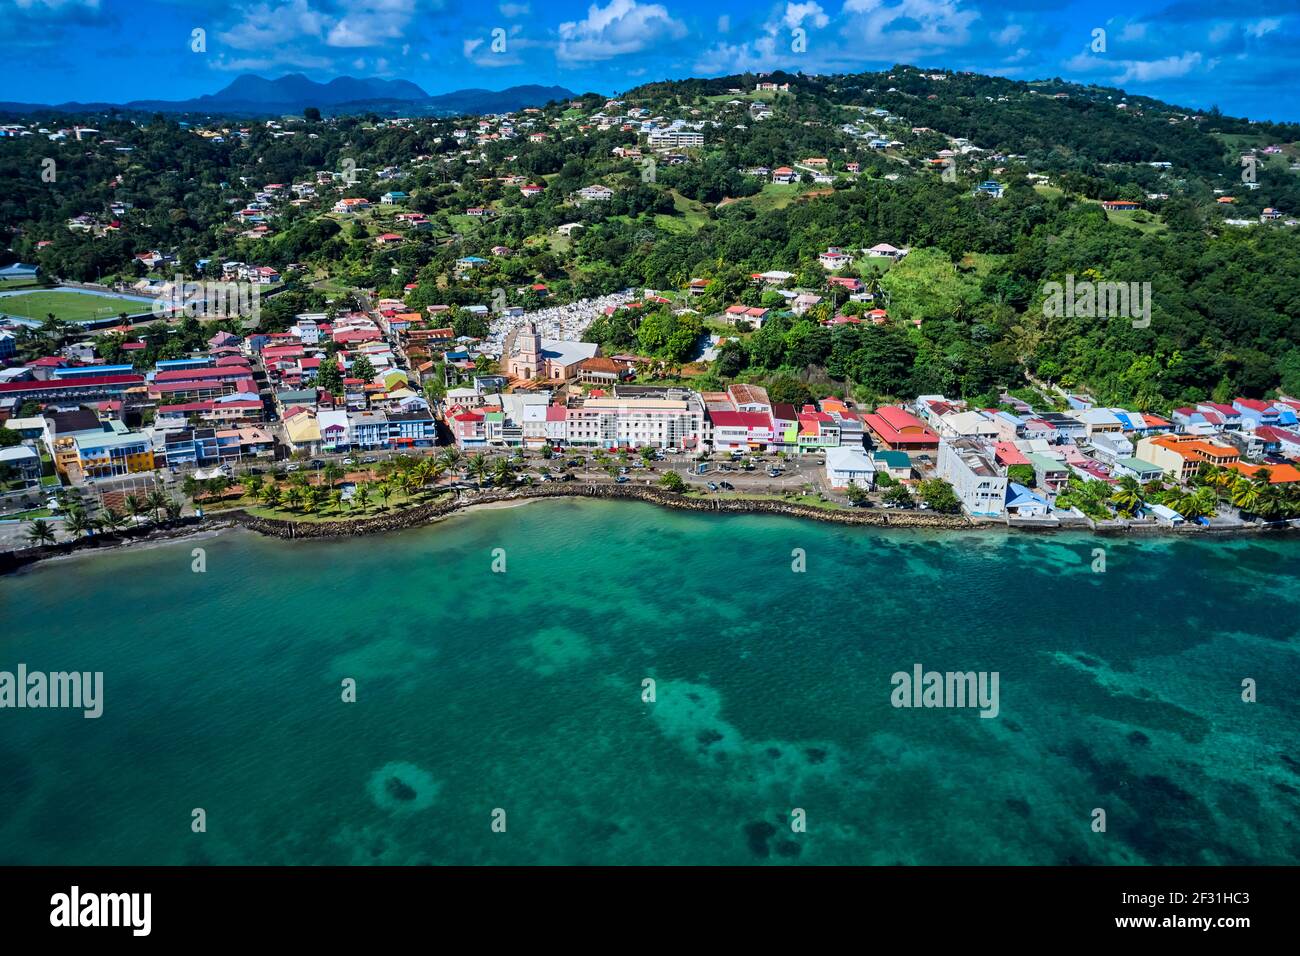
[1181, 456]
[978, 482]
[631, 421]
[23, 462]
[675, 139]
[411, 428]
[111, 453]
[369, 429]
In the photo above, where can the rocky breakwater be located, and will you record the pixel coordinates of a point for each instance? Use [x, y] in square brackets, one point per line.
[436, 510]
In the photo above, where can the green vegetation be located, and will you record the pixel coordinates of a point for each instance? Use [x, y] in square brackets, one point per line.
[964, 308]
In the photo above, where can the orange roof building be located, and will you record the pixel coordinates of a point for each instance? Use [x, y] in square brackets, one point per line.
[1277, 474]
[1181, 456]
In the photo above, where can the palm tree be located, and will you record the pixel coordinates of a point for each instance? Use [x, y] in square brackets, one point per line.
[410, 482]
[450, 457]
[336, 499]
[361, 497]
[1245, 494]
[271, 495]
[1127, 496]
[253, 485]
[111, 520]
[433, 471]
[135, 506]
[502, 474]
[156, 501]
[174, 507]
[385, 490]
[478, 466]
[76, 523]
[293, 498]
[427, 471]
[1198, 504]
[41, 532]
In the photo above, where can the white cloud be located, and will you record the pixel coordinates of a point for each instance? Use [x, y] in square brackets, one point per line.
[54, 6]
[265, 26]
[1262, 27]
[1222, 31]
[796, 13]
[512, 10]
[724, 23]
[371, 23]
[619, 28]
[258, 64]
[1145, 71]
[1009, 34]
[906, 31]
[273, 25]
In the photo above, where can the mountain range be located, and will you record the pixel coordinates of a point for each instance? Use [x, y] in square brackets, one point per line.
[251, 95]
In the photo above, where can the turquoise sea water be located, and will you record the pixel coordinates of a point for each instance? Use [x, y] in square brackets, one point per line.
[523, 690]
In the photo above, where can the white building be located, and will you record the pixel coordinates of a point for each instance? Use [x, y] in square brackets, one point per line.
[634, 421]
[1109, 446]
[966, 465]
[849, 465]
[675, 139]
[967, 425]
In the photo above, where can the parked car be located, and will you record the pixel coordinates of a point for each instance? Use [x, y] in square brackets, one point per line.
[713, 486]
[774, 473]
[292, 466]
[727, 486]
[369, 460]
[621, 479]
[349, 460]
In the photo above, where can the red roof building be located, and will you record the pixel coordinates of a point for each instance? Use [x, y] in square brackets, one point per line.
[899, 430]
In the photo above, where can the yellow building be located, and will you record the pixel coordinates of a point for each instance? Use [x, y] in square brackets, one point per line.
[112, 453]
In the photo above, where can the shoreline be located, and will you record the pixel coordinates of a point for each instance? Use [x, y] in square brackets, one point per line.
[435, 511]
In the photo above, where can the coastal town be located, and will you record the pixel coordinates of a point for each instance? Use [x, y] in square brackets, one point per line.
[343, 407]
[355, 339]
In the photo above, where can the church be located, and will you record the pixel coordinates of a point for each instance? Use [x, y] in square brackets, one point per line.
[530, 358]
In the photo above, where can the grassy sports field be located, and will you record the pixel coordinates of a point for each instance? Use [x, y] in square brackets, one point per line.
[69, 306]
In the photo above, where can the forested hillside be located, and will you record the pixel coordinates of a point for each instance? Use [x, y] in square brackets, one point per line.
[965, 306]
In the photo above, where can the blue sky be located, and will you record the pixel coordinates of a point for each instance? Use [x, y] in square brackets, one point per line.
[1240, 56]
